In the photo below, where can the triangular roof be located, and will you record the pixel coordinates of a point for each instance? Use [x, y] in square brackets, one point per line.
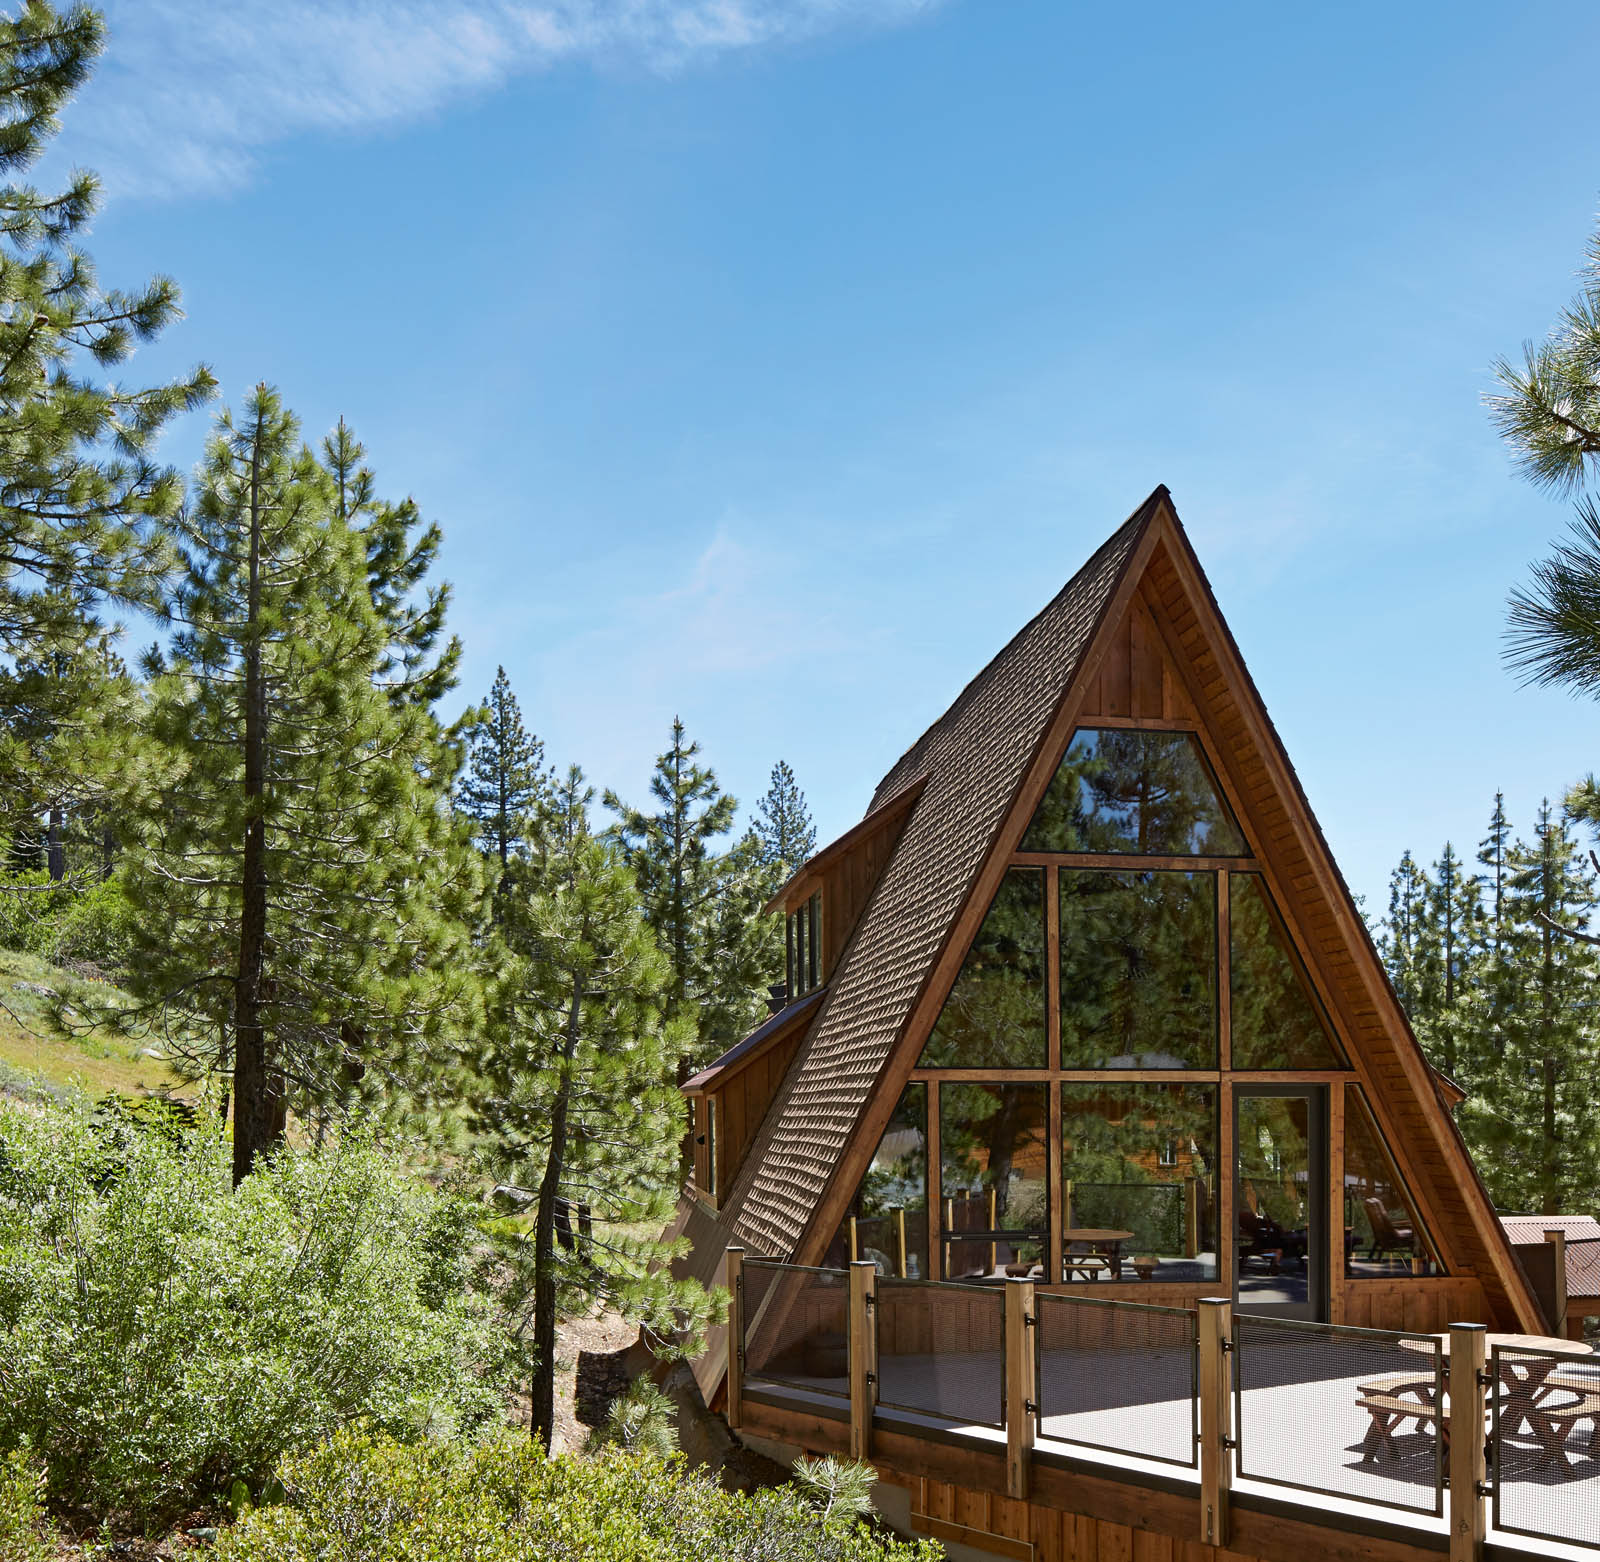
[980, 769]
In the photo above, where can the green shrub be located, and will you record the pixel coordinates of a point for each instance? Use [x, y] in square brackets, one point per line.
[362, 1499]
[163, 1336]
[67, 924]
[26, 1534]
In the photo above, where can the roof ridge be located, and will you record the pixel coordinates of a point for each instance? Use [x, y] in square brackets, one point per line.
[1141, 514]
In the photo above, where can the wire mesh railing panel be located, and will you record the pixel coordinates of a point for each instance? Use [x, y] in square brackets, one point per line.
[1349, 1412]
[1544, 1443]
[941, 1350]
[1119, 1376]
[796, 1326]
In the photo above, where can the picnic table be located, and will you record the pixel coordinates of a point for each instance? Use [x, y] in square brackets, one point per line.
[1093, 1250]
[1531, 1392]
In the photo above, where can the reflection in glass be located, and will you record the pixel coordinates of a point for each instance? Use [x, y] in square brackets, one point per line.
[1134, 791]
[1138, 969]
[1272, 1244]
[1139, 1166]
[993, 1144]
[995, 1014]
[1276, 1022]
[1382, 1235]
[887, 1220]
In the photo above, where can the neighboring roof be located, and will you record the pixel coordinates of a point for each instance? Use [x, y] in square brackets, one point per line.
[969, 765]
[1531, 1228]
[813, 869]
[765, 1035]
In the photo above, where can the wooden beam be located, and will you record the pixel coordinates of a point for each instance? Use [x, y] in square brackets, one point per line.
[1132, 862]
[863, 1341]
[1020, 1385]
[1558, 1240]
[1468, 1521]
[1216, 1419]
[1336, 1238]
[733, 1278]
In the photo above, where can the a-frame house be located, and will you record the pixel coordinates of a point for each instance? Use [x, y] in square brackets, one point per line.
[1085, 998]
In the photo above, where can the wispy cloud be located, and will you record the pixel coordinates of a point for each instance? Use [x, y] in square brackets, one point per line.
[193, 91]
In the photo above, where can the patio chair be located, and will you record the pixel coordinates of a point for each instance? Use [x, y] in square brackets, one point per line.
[1386, 1236]
[1262, 1238]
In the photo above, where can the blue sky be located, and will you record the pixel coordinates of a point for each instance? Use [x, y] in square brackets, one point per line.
[770, 361]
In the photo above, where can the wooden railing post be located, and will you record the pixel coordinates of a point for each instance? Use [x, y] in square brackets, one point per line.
[1021, 1325]
[1468, 1463]
[733, 1278]
[863, 1356]
[1558, 1240]
[1216, 1418]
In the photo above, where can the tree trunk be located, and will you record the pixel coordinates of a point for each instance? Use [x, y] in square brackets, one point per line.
[56, 850]
[543, 1411]
[259, 1109]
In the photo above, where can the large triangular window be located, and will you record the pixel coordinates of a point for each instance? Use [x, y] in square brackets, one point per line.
[1277, 1021]
[1382, 1234]
[1134, 790]
[995, 1014]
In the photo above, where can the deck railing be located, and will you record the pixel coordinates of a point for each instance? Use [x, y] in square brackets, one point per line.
[1374, 1418]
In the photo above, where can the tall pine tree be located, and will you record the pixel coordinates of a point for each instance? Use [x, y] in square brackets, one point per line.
[504, 789]
[82, 501]
[782, 824]
[1532, 1118]
[572, 1094]
[699, 901]
[301, 894]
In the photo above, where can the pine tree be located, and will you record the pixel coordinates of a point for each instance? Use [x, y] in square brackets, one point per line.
[301, 895]
[1449, 947]
[1492, 858]
[68, 749]
[505, 789]
[1399, 938]
[572, 1093]
[1550, 411]
[1532, 1120]
[82, 501]
[697, 901]
[782, 824]
[401, 553]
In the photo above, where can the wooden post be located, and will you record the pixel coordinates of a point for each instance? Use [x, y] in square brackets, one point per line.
[855, 1249]
[1559, 1239]
[733, 1278]
[1468, 1342]
[1216, 1418]
[994, 1220]
[1020, 1385]
[863, 1356]
[900, 1241]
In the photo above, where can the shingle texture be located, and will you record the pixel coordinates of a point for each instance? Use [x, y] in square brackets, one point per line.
[974, 758]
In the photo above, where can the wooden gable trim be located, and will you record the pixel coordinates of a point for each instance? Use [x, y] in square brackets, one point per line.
[769, 1034]
[936, 985]
[1392, 1062]
[809, 876]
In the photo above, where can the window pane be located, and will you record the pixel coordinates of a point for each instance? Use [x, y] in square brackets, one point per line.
[1139, 1180]
[890, 1209]
[1382, 1235]
[995, 1014]
[1138, 970]
[1277, 1022]
[993, 1143]
[1134, 791]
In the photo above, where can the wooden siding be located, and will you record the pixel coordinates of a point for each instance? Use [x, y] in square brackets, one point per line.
[743, 1101]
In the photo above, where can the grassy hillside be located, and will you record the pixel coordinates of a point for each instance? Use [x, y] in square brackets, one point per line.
[33, 1048]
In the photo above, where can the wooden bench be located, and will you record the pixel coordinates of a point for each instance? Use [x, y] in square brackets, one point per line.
[1389, 1412]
